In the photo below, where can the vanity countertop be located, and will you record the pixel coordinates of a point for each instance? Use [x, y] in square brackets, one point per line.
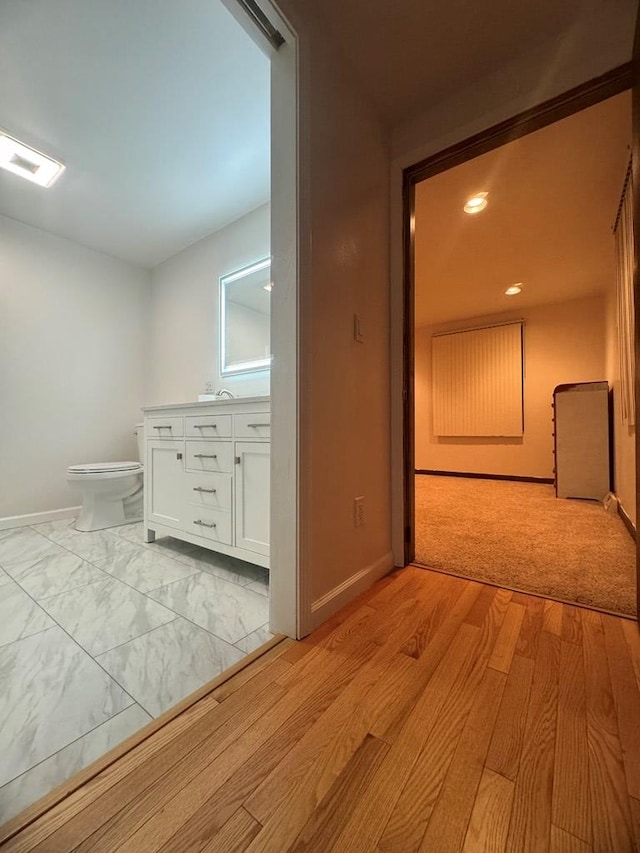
[202, 404]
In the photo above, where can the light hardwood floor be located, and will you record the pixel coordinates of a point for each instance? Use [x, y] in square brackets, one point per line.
[433, 714]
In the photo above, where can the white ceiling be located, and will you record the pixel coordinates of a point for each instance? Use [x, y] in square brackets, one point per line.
[553, 197]
[159, 109]
[411, 54]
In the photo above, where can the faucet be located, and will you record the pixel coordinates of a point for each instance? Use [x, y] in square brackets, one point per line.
[224, 393]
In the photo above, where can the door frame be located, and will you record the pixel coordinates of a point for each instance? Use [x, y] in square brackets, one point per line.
[288, 603]
[574, 100]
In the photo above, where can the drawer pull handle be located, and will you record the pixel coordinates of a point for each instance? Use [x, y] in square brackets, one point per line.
[255, 426]
[164, 426]
[205, 455]
[204, 523]
[205, 426]
[201, 489]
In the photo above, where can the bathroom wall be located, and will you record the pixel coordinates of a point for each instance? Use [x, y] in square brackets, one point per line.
[184, 348]
[563, 342]
[73, 344]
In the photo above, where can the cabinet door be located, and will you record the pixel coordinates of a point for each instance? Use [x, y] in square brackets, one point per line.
[252, 496]
[164, 476]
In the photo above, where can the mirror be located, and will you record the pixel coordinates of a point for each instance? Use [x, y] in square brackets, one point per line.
[245, 319]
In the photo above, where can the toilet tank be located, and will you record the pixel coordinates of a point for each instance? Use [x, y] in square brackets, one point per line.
[139, 431]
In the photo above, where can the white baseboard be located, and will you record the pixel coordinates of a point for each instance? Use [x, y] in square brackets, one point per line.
[329, 603]
[38, 517]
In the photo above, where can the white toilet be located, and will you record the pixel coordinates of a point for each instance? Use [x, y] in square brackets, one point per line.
[111, 491]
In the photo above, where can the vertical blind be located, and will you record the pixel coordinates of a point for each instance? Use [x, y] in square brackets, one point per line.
[477, 380]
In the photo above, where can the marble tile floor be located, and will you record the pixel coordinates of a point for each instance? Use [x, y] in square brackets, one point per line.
[100, 633]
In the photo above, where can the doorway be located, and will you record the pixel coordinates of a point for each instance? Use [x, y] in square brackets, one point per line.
[482, 506]
[89, 626]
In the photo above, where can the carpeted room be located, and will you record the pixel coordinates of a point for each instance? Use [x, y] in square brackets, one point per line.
[545, 229]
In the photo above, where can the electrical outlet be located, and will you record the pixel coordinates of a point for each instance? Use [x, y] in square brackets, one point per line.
[208, 388]
[358, 512]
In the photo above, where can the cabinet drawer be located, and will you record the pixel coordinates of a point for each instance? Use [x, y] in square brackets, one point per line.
[211, 491]
[212, 456]
[208, 426]
[252, 426]
[213, 524]
[164, 427]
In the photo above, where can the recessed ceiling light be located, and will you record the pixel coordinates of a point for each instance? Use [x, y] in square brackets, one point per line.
[268, 287]
[476, 203]
[514, 289]
[28, 163]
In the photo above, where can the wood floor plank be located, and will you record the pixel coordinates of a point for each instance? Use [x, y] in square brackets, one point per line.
[234, 837]
[530, 825]
[450, 686]
[571, 624]
[571, 804]
[492, 623]
[415, 804]
[509, 731]
[309, 770]
[89, 808]
[611, 818]
[631, 631]
[434, 612]
[78, 795]
[348, 709]
[626, 696]
[481, 607]
[414, 808]
[530, 632]
[459, 605]
[564, 842]
[371, 736]
[634, 805]
[317, 758]
[270, 672]
[224, 802]
[507, 640]
[128, 805]
[154, 817]
[447, 827]
[353, 630]
[329, 818]
[552, 617]
[489, 822]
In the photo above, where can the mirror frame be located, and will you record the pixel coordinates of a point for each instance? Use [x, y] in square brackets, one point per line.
[254, 365]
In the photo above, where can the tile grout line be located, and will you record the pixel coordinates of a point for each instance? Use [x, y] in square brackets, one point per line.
[108, 575]
[167, 607]
[82, 649]
[92, 657]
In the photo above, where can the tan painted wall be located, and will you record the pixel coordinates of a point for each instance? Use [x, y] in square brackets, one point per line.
[564, 342]
[344, 385]
[624, 451]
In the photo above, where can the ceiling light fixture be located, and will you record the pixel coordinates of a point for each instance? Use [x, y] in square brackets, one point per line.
[28, 163]
[476, 203]
[514, 289]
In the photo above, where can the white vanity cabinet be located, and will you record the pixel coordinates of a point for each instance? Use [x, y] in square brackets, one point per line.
[207, 469]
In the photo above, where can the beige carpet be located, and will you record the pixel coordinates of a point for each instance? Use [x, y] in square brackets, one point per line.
[520, 535]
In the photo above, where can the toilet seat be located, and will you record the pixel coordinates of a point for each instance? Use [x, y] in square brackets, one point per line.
[105, 468]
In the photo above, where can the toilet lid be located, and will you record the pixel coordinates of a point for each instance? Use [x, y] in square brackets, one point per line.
[104, 467]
